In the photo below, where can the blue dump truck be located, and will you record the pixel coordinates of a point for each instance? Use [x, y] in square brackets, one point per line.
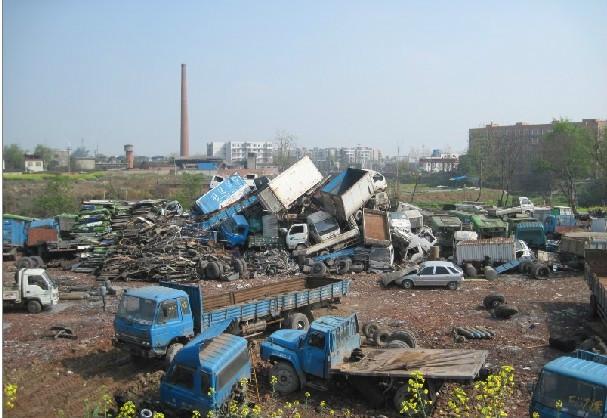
[330, 351]
[234, 231]
[205, 374]
[578, 383]
[157, 321]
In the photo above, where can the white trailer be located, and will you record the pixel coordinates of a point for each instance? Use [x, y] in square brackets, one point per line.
[496, 250]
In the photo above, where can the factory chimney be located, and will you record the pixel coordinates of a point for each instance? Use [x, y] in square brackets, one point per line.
[130, 159]
[185, 133]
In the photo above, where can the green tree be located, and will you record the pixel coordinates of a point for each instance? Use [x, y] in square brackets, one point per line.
[46, 153]
[14, 157]
[190, 189]
[56, 198]
[567, 156]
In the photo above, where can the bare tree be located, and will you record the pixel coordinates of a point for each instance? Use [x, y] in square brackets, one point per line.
[285, 143]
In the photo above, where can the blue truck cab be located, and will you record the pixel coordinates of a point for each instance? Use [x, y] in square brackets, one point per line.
[579, 382]
[206, 373]
[151, 319]
[235, 231]
[299, 356]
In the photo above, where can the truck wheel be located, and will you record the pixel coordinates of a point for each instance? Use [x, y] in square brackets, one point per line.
[369, 329]
[525, 267]
[404, 336]
[381, 338]
[493, 300]
[298, 321]
[37, 261]
[288, 381]
[343, 266]
[212, 270]
[319, 268]
[24, 263]
[34, 307]
[397, 344]
[407, 284]
[540, 272]
[401, 395]
[171, 352]
[452, 285]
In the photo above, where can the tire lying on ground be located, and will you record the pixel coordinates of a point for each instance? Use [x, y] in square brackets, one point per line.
[397, 344]
[493, 300]
[526, 267]
[540, 271]
[213, 271]
[504, 311]
[381, 338]
[404, 336]
[369, 329]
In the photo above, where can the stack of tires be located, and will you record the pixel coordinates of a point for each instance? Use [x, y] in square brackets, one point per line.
[388, 339]
[536, 270]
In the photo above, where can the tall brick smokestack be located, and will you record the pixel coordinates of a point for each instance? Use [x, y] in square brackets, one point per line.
[185, 132]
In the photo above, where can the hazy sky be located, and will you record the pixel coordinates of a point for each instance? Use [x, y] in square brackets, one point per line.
[333, 73]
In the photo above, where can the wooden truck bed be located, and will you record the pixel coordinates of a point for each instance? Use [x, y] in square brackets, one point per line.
[443, 364]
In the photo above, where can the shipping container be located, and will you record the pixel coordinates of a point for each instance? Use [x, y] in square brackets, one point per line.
[376, 228]
[284, 190]
[497, 250]
[224, 194]
[347, 193]
[14, 230]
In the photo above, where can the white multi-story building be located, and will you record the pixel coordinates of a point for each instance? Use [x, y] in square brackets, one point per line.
[33, 163]
[233, 151]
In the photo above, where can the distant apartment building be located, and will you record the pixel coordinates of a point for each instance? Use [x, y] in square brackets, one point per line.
[233, 151]
[33, 163]
[526, 138]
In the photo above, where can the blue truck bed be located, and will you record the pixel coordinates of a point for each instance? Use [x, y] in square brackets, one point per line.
[260, 302]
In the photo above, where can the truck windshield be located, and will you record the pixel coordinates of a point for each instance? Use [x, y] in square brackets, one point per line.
[326, 226]
[580, 399]
[50, 280]
[137, 309]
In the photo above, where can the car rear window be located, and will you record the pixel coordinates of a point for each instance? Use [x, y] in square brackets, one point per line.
[452, 270]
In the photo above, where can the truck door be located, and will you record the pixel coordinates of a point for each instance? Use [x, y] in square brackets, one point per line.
[298, 234]
[315, 354]
[168, 323]
[35, 287]
[180, 388]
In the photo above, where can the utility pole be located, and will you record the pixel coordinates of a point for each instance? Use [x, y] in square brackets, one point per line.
[68, 160]
[397, 191]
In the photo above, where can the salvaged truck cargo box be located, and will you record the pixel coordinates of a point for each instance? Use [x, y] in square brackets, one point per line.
[596, 278]
[497, 249]
[284, 190]
[347, 193]
[376, 228]
[577, 242]
[14, 230]
[227, 192]
[37, 236]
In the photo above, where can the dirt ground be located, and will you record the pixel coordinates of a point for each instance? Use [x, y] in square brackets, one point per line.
[58, 377]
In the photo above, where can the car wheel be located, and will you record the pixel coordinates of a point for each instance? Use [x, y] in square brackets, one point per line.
[407, 284]
[452, 286]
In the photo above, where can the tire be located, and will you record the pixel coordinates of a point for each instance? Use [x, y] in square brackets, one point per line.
[381, 338]
[493, 301]
[171, 352]
[401, 395]
[201, 269]
[288, 381]
[298, 321]
[212, 271]
[397, 344]
[319, 268]
[541, 272]
[34, 307]
[452, 285]
[404, 336]
[525, 267]
[470, 270]
[407, 284]
[369, 329]
[37, 261]
[343, 266]
[24, 263]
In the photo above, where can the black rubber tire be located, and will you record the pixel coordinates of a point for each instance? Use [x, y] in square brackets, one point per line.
[37, 261]
[397, 344]
[34, 307]
[343, 266]
[171, 352]
[298, 321]
[201, 269]
[24, 263]
[541, 272]
[493, 300]
[452, 285]
[381, 338]
[526, 267]
[288, 381]
[369, 329]
[319, 268]
[401, 395]
[213, 271]
[407, 284]
[404, 336]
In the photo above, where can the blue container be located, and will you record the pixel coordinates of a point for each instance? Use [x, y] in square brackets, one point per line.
[44, 223]
[14, 230]
[227, 192]
[207, 166]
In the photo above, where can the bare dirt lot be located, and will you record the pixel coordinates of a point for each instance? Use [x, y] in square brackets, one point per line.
[58, 377]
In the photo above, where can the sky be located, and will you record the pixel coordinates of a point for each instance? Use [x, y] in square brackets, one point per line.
[387, 74]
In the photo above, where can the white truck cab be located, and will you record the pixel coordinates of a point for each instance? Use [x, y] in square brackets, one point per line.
[33, 288]
[297, 236]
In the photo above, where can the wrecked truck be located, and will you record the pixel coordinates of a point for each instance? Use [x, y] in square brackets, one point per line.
[157, 321]
[346, 193]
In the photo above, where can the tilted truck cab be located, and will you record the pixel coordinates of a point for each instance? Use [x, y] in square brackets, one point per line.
[578, 383]
[151, 319]
[206, 373]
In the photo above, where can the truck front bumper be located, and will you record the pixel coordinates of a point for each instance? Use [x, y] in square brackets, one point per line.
[136, 349]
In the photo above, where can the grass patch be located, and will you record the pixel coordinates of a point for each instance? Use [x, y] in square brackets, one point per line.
[94, 175]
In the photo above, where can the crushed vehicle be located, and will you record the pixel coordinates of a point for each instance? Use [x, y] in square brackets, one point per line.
[487, 227]
[345, 194]
[428, 273]
[320, 226]
[595, 274]
[353, 259]
[444, 227]
[330, 352]
[224, 194]
[157, 321]
[33, 289]
[532, 233]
